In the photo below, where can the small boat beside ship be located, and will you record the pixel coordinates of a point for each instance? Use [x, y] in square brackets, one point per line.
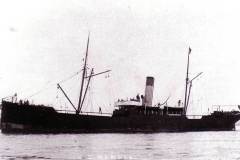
[134, 115]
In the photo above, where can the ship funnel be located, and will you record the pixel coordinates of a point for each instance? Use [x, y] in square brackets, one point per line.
[149, 91]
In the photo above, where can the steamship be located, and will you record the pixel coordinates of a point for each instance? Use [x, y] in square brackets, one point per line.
[134, 115]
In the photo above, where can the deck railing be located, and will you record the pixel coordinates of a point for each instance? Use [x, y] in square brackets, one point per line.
[85, 113]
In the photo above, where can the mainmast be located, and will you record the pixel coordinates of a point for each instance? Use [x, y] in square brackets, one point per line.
[83, 77]
[186, 85]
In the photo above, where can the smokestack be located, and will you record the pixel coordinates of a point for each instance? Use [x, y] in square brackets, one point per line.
[149, 91]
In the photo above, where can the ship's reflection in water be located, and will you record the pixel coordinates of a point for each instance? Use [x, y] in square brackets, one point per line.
[186, 145]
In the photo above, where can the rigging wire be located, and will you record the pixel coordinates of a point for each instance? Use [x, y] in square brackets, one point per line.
[90, 95]
[111, 94]
[50, 84]
[70, 77]
[98, 103]
[62, 98]
[89, 99]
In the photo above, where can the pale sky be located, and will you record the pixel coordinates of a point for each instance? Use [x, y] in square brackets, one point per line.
[43, 42]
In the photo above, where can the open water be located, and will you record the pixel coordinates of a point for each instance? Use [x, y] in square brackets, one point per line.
[187, 145]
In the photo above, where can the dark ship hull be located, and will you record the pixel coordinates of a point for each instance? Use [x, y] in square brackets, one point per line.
[136, 115]
[17, 118]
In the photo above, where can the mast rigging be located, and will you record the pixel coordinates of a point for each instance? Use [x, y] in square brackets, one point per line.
[186, 85]
[86, 89]
[83, 75]
[189, 90]
[66, 96]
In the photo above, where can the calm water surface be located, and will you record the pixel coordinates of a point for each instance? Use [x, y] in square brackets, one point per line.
[188, 145]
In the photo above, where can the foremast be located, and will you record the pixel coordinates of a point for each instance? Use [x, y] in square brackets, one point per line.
[83, 77]
[83, 93]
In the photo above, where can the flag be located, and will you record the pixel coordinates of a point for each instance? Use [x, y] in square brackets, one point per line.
[189, 51]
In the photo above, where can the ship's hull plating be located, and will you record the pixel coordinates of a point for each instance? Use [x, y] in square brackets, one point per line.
[32, 119]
